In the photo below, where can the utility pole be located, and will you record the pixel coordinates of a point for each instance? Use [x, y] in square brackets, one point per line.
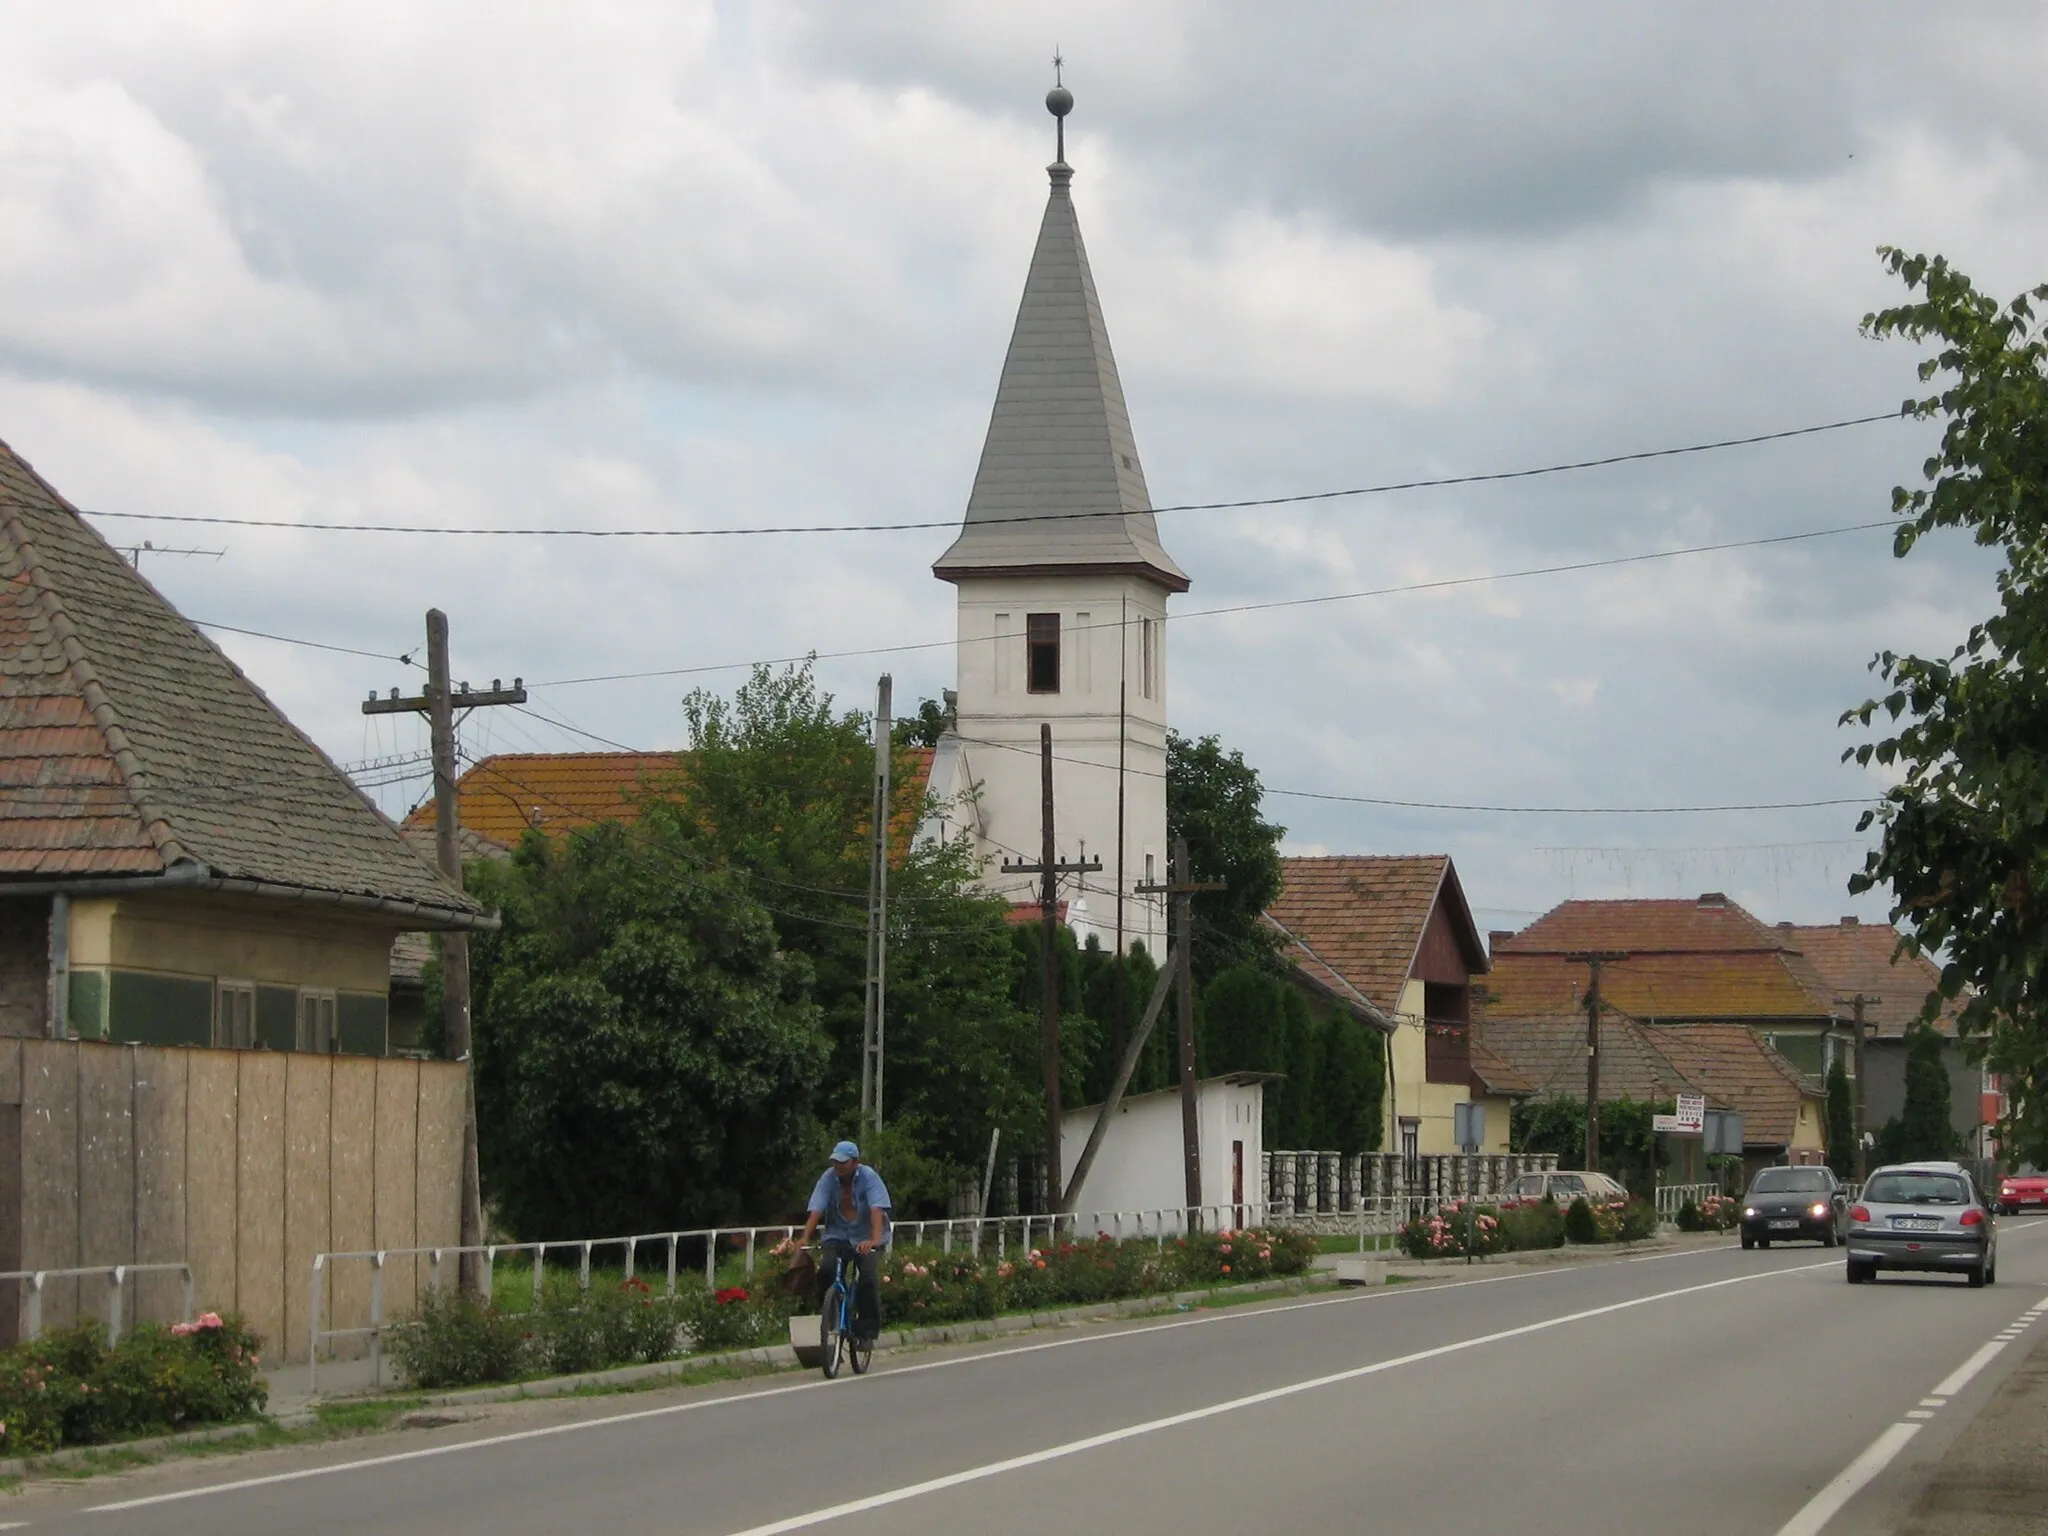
[878, 918]
[1049, 869]
[1181, 887]
[439, 704]
[1858, 1003]
[1593, 959]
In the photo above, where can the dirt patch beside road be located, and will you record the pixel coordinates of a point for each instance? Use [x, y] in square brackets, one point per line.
[1994, 1479]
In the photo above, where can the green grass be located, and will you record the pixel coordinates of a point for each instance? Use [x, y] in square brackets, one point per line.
[1375, 1242]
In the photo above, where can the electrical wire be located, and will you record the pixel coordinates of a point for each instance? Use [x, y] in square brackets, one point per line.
[1298, 498]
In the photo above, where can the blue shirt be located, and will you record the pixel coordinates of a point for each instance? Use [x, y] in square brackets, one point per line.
[869, 1194]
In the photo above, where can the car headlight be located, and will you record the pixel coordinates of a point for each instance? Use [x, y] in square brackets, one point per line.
[1818, 1208]
[1749, 1212]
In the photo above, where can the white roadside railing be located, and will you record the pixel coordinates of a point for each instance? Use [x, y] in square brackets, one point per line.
[967, 1233]
[117, 1276]
[1672, 1197]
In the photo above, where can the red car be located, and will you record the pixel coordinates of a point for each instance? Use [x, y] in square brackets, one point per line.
[2018, 1189]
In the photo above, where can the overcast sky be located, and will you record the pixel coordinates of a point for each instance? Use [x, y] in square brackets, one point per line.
[685, 264]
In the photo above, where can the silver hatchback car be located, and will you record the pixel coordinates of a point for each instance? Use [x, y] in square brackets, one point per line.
[1924, 1216]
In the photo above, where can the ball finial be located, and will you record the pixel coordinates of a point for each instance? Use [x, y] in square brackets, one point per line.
[1059, 101]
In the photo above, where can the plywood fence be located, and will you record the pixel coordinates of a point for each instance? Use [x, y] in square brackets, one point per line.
[243, 1164]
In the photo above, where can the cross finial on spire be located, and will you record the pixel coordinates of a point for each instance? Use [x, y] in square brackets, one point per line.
[1059, 101]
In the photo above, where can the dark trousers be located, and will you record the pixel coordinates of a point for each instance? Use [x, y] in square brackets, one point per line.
[867, 1299]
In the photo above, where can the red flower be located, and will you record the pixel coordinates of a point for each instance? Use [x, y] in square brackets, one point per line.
[729, 1295]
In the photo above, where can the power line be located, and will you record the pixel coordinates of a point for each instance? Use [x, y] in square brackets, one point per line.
[316, 645]
[1381, 489]
[1259, 607]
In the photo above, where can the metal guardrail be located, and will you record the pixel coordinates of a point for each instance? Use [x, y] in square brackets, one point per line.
[1158, 1224]
[116, 1275]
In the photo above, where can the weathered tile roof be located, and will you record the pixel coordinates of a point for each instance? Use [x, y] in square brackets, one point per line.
[1353, 923]
[503, 795]
[1739, 1072]
[130, 746]
[1060, 448]
[1494, 1074]
[1853, 957]
[1728, 1064]
[1703, 959]
[1550, 1055]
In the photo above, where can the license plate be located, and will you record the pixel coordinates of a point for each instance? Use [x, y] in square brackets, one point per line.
[1917, 1223]
[1777, 1224]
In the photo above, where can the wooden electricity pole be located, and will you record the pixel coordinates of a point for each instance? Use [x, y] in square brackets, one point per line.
[1049, 868]
[439, 704]
[1858, 1003]
[874, 1025]
[1593, 959]
[1180, 936]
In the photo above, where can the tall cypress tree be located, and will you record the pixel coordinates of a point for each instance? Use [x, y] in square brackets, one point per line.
[1841, 1124]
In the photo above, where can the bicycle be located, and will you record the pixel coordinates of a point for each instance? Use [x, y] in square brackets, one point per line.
[836, 1337]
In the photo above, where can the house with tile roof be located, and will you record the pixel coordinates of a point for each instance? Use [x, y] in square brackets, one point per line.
[1388, 942]
[179, 863]
[1857, 957]
[1700, 961]
[1729, 1065]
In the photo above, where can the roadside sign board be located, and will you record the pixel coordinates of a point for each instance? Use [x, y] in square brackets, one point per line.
[1692, 1111]
[1724, 1134]
[1471, 1126]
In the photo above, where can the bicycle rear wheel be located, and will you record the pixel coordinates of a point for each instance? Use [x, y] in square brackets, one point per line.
[831, 1341]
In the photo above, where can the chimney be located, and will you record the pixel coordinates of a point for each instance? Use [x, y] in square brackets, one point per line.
[1496, 937]
[1713, 899]
[1850, 922]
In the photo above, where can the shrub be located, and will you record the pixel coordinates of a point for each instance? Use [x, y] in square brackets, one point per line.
[1720, 1213]
[626, 1324]
[1579, 1223]
[70, 1388]
[1446, 1233]
[1638, 1220]
[1533, 1226]
[731, 1317]
[1689, 1218]
[457, 1341]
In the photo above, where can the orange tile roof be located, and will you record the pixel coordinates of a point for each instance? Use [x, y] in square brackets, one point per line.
[1853, 956]
[502, 796]
[1550, 1053]
[1353, 923]
[1700, 959]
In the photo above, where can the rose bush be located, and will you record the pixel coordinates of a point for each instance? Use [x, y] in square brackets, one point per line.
[70, 1388]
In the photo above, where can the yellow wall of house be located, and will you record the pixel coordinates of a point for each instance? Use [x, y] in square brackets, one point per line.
[198, 934]
[1810, 1134]
[1414, 1097]
[1497, 1112]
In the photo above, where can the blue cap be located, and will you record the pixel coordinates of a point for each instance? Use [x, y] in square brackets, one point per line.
[846, 1152]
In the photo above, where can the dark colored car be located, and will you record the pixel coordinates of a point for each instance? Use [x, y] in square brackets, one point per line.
[1925, 1216]
[2020, 1189]
[1793, 1204]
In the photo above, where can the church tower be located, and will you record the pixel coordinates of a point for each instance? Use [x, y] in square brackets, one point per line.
[1062, 586]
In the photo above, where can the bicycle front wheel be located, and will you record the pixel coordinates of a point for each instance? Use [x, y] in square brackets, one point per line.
[831, 1341]
[862, 1351]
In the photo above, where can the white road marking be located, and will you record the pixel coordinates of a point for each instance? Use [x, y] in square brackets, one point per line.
[1823, 1506]
[1919, 1413]
[1933, 1402]
[909, 1491]
[1962, 1375]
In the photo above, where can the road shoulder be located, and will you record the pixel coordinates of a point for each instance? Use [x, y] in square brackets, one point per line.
[1993, 1479]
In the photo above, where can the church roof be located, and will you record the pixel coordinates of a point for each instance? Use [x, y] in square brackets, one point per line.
[132, 750]
[1059, 488]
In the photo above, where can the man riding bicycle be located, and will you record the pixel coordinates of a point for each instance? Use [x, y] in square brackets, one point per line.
[852, 1203]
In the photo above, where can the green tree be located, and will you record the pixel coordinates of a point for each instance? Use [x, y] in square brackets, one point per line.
[1964, 833]
[1922, 1128]
[1213, 799]
[923, 729]
[1351, 1086]
[646, 1054]
[1841, 1124]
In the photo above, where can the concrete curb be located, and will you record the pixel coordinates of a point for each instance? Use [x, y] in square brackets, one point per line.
[22, 1466]
[1546, 1258]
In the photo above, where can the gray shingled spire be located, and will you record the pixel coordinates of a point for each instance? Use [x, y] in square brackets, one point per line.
[1059, 488]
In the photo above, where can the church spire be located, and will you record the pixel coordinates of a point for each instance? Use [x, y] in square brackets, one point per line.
[1059, 488]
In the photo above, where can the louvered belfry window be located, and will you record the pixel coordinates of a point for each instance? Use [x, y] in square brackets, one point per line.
[1042, 644]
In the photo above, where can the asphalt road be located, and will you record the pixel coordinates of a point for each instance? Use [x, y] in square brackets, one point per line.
[1712, 1391]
